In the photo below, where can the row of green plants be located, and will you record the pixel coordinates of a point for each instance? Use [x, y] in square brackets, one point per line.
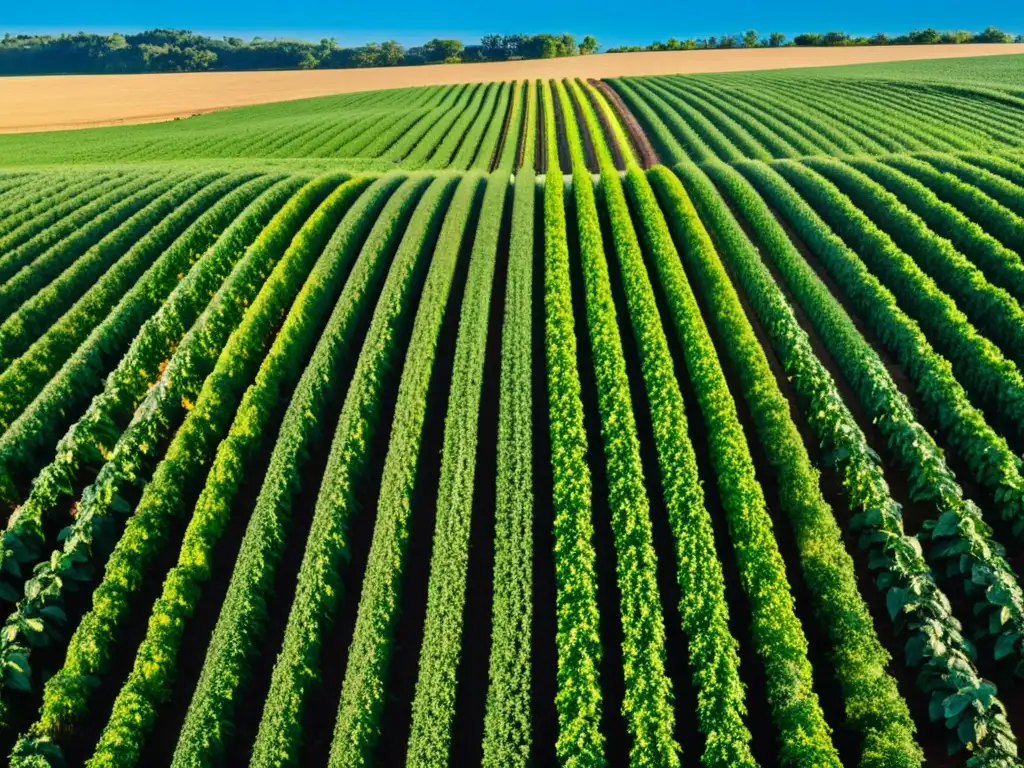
[106, 279]
[66, 697]
[508, 713]
[16, 183]
[319, 589]
[151, 318]
[471, 119]
[38, 340]
[58, 218]
[25, 268]
[502, 116]
[874, 707]
[372, 227]
[700, 145]
[713, 651]
[1002, 165]
[578, 699]
[778, 638]
[776, 129]
[648, 699]
[990, 309]
[952, 182]
[440, 131]
[1003, 191]
[990, 460]
[860, 124]
[22, 205]
[738, 129]
[479, 142]
[962, 542]
[977, 361]
[1001, 266]
[654, 127]
[85, 544]
[835, 135]
[719, 137]
[399, 144]
[607, 119]
[95, 245]
[704, 613]
[913, 128]
[136, 707]
[974, 719]
[433, 706]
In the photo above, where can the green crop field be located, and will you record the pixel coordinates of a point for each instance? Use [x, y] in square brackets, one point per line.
[653, 421]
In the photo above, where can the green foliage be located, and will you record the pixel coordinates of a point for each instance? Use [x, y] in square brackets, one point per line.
[977, 361]
[580, 742]
[319, 589]
[917, 607]
[874, 706]
[206, 734]
[778, 636]
[647, 703]
[507, 722]
[149, 685]
[433, 707]
[93, 435]
[65, 696]
[714, 657]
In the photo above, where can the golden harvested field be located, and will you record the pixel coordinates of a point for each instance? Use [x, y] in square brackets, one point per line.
[75, 101]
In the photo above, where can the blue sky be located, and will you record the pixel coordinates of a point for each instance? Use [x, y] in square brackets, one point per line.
[613, 22]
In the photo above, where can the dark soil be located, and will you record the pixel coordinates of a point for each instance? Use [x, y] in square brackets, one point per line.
[644, 149]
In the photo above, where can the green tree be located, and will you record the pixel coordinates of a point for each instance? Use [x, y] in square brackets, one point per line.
[589, 45]
[993, 35]
[776, 40]
[437, 50]
[750, 38]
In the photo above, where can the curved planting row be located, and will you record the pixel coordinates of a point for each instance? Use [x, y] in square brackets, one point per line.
[26, 441]
[958, 535]
[990, 309]
[108, 276]
[136, 707]
[373, 226]
[977, 361]
[85, 542]
[874, 706]
[964, 427]
[714, 656]
[319, 589]
[778, 637]
[578, 697]
[66, 695]
[647, 704]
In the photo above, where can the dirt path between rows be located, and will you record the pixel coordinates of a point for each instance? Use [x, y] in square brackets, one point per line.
[76, 101]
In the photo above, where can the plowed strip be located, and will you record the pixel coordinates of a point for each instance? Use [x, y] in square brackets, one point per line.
[644, 149]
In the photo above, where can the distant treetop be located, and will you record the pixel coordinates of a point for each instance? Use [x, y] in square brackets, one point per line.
[174, 50]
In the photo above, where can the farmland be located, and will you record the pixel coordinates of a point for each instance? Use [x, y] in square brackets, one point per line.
[648, 420]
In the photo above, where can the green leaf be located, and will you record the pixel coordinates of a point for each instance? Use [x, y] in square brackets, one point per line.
[17, 680]
[966, 732]
[955, 704]
[1006, 644]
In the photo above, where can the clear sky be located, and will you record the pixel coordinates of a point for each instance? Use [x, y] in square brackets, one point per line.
[613, 22]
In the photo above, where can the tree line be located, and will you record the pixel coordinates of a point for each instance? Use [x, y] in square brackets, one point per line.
[171, 50]
[752, 39]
